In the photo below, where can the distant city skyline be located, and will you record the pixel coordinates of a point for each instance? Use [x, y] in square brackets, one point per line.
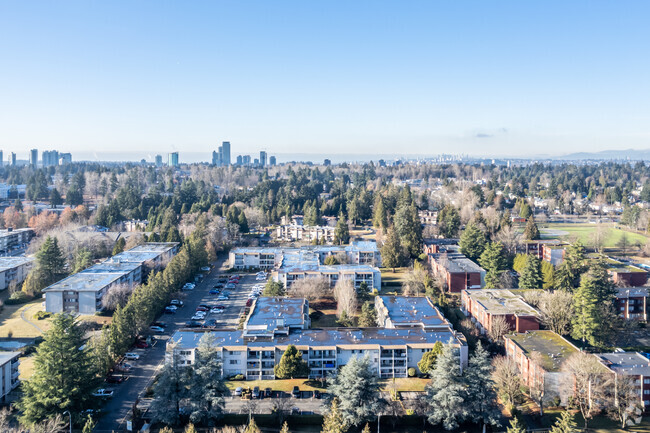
[481, 78]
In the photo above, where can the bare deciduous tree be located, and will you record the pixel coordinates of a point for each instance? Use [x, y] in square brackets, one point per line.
[557, 310]
[498, 328]
[536, 385]
[624, 400]
[506, 379]
[414, 282]
[117, 295]
[346, 298]
[509, 238]
[587, 380]
[310, 288]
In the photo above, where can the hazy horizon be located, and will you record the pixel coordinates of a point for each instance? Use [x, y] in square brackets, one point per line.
[507, 79]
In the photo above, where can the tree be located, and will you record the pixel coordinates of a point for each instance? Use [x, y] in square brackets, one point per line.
[291, 364]
[119, 246]
[428, 360]
[89, 426]
[585, 307]
[516, 426]
[379, 217]
[83, 259]
[252, 427]
[493, 261]
[623, 243]
[168, 391]
[392, 252]
[587, 380]
[242, 222]
[415, 280]
[448, 221]
[531, 274]
[548, 275]
[310, 288]
[206, 388]
[285, 428]
[368, 317]
[557, 311]
[506, 379]
[333, 421]
[274, 288]
[480, 388]
[498, 328]
[116, 296]
[346, 298]
[472, 241]
[531, 232]
[624, 399]
[330, 261]
[445, 394]
[356, 387]
[407, 225]
[50, 262]
[64, 375]
[55, 198]
[341, 231]
[564, 424]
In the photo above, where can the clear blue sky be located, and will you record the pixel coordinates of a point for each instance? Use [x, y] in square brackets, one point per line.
[405, 77]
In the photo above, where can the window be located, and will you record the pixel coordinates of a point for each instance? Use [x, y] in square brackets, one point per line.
[646, 381]
[646, 391]
[234, 361]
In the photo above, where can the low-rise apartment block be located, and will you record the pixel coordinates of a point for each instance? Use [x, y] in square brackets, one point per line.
[298, 233]
[539, 356]
[13, 239]
[627, 275]
[554, 253]
[631, 364]
[484, 305]
[255, 350]
[404, 312]
[14, 270]
[432, 246]
[9, 373]
[631, 302]
[459, 272]
[83, 292]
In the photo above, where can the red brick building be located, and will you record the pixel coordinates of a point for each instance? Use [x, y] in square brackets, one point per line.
[459, 272]
[631, 302]
[631, 364]
[629, 276]
[484, 305]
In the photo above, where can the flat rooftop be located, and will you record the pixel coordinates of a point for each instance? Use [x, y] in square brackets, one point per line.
[7, 263]
[85, 282]
[8, 356]
[134, 256]
[5, 232]
[629, 363]
[501, 302]
[369, 338]
[631, 292]
[268, 312]
[456, 262]
[413, 311]
[155, 247]
[553, 348]
[363, 246]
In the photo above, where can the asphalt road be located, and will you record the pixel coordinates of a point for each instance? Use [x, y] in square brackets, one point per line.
[151, 359]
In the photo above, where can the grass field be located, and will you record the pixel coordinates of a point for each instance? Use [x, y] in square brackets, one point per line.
[12, 321]
[586, 232]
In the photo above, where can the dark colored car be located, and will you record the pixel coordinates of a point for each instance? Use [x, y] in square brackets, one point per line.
[193, 324]
[214, 291]
[141, 345]
[210, 323]
[268, 392]
[256, 392]
[170, 311]
[249, 302]
[317, 394]
[161, 324]
[114, 379]
[296, 392]
[202, 308]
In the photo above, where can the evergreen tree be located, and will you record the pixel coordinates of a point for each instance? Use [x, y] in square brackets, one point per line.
[516, 426]
[341, 231]
[368, 317]
[356, 387]
[482, 397]
[89, 426]
[291, 364]
[18, 205]
[448, 221]
[445, 394]
[168, 391]
[392, 252]
[274, 288]
[50, 262]
[119, 246]
[172, 235]
[565, 424]
[548, 275]
[333, 421]
[585, 307]
[379, 218]
[252, 427]
[472, 241]
[285, 428]
[531, 232]
[242, 221]
[64, 375]
[531, 274]
[82, 260]
[55, 198]
[494, 262]
[428, 361]
[407, 224]
[206, 387]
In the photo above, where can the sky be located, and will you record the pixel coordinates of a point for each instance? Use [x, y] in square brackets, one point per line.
[484, 78]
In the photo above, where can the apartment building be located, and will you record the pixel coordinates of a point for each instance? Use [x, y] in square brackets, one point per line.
[405, 312]
[428, 217]
[627, 275]
[14, 270]
[554, 253]
[631, 364]
[298, 233]
[9, 373]
[13, 239]
[539, 356]
[484, 305]
[83, 292]
[255, 350]
[459, 272]
[432, 246]
[536, 247]
[631, 302]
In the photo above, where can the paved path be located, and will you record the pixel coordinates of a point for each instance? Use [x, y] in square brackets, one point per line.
[22, 316]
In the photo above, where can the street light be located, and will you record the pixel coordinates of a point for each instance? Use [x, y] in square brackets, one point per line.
[70, 415]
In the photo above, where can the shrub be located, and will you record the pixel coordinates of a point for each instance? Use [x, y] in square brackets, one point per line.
[18, 298]
[237, 377]
[412, 372]
[42, 315]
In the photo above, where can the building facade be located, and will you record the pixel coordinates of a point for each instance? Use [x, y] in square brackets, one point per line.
[458, 272]
[14, 239]
[484, 305]
[14, 270]
[296, 233]
[9, 373]
[631, 302]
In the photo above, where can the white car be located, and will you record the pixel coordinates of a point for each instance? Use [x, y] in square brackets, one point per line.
[222, 298]
[189, 286]
[176, 302]
[172, 307]
[157, 329]
[131, 356]
[198, 316]
[216, 311]
[103, 393]
[205, 269]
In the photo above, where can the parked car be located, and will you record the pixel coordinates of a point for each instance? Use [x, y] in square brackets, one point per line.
[176, 302]
[268, 392]
[222, 297]
[161, 324]
[188, 286]
[249, 302]
[114, 379]
[202, 308]
[230, 286]
[156, 329]
[172, 307]
[317, 394]
[296, 392]
[192, 324]
[141, 344]
[256, 392]
[214, 291]
[205, 269]
[295, 410]
[238, 391]
[170, 310]
[131, 356]
[198, 316]
[103, 393]
[210, 323]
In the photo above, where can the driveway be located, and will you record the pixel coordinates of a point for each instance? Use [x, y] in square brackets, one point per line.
[144, 370]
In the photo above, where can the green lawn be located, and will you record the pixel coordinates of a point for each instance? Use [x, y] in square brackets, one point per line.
[586, 232]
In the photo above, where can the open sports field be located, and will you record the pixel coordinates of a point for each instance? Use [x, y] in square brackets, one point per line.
[586, 232]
